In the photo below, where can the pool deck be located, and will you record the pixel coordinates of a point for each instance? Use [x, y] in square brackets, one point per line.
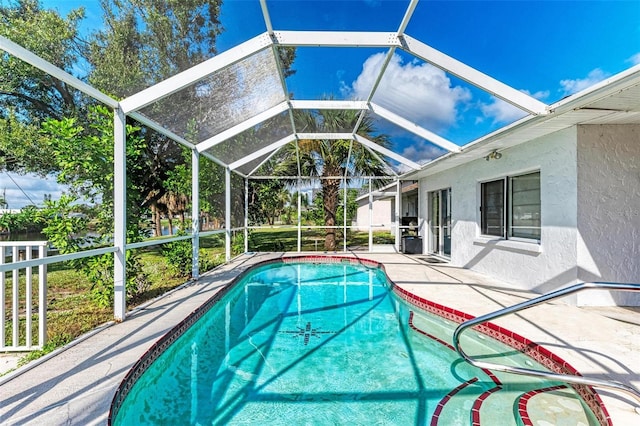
[76, 385]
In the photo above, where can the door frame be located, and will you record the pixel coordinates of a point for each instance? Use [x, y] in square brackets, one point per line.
[443, 246]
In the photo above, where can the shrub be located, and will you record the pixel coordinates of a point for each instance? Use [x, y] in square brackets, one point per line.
[179, 256]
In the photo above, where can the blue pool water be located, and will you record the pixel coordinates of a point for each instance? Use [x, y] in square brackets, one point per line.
[295, 344]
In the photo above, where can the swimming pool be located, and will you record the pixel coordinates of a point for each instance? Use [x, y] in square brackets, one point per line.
[306, 342]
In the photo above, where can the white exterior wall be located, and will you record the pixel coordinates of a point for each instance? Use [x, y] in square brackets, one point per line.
[382, 214]
[543, 267]
[609, 209]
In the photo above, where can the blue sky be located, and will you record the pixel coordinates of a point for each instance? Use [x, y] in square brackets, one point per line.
[550, 49]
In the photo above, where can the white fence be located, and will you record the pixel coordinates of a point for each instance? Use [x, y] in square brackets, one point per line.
[22, 297]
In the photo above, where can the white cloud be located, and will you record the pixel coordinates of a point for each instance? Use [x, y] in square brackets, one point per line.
[421, 151]
[635, 59]
[23, 190]
[569, 87]
[500, 111]
[417, 91]
[503, 112]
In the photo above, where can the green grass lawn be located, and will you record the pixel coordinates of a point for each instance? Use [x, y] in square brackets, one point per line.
[286, 239]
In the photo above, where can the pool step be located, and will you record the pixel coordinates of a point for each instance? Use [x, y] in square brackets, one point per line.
[491, 402]
[556, 405]
[455, 407]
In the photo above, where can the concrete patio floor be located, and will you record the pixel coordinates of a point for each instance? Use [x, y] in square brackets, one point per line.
[76, 385]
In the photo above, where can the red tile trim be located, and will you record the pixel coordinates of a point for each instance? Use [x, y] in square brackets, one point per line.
[430, 336]
[326, 259]
[475, 411]
[539, 353]
[524, 400]
[447, 397]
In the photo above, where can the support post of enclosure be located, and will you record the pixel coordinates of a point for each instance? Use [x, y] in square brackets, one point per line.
[344, 216]
[398, 215]
[246, 215]
[195, 214]
[227, 213]
[370, 217]
[42, 297]
[299, 216]
[119, 214]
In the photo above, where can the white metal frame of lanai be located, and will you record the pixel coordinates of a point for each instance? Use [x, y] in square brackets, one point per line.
[271, 39]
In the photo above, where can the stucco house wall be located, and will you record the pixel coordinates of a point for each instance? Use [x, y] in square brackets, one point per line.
[590, 212]
[381, 214]
[609, 209]
[528, 265]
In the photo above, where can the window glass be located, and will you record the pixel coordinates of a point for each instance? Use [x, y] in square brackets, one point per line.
[492, 208]
[525, 206]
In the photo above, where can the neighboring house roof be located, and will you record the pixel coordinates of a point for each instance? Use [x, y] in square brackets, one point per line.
[389, 191]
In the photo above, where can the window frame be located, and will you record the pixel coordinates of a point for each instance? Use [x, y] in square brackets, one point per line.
[483, 212]
[507, 208]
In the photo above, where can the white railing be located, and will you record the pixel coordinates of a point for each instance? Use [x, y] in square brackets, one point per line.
[20, 251]
[568, 378]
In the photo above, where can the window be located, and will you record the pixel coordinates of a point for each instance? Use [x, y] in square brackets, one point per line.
[521, 197]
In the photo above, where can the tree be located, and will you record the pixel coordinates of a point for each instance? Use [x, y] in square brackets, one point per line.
[84, 159]
[143, 43]
[33, 93]
[28, 95]
[331, 159]
[267, 200]
[146, 41]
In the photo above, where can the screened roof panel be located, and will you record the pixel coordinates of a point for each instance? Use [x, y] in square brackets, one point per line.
[440, 102]
[405, 143]
[267, 168]
[394, 167]
[324, 72]
[242, 20]
[252, 165]
[337, 15]
[300, 117]
[252, 140]
[224, 99]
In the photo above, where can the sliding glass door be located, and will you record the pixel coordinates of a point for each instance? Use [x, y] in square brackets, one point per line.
[440, 222]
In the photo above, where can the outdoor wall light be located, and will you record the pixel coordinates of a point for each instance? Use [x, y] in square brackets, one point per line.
[493, 155]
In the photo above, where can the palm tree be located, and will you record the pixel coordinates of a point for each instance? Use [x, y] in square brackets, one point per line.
[330, 159]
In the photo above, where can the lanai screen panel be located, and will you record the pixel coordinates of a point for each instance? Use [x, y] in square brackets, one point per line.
[405, 143]
[212, 194]
[270, 166]
[328, 120]
[440, 102]
[251, 140]
[252, 165]
[392, 167]
[237, 201]
[337, 15]
[224, 99]
[327, 73]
